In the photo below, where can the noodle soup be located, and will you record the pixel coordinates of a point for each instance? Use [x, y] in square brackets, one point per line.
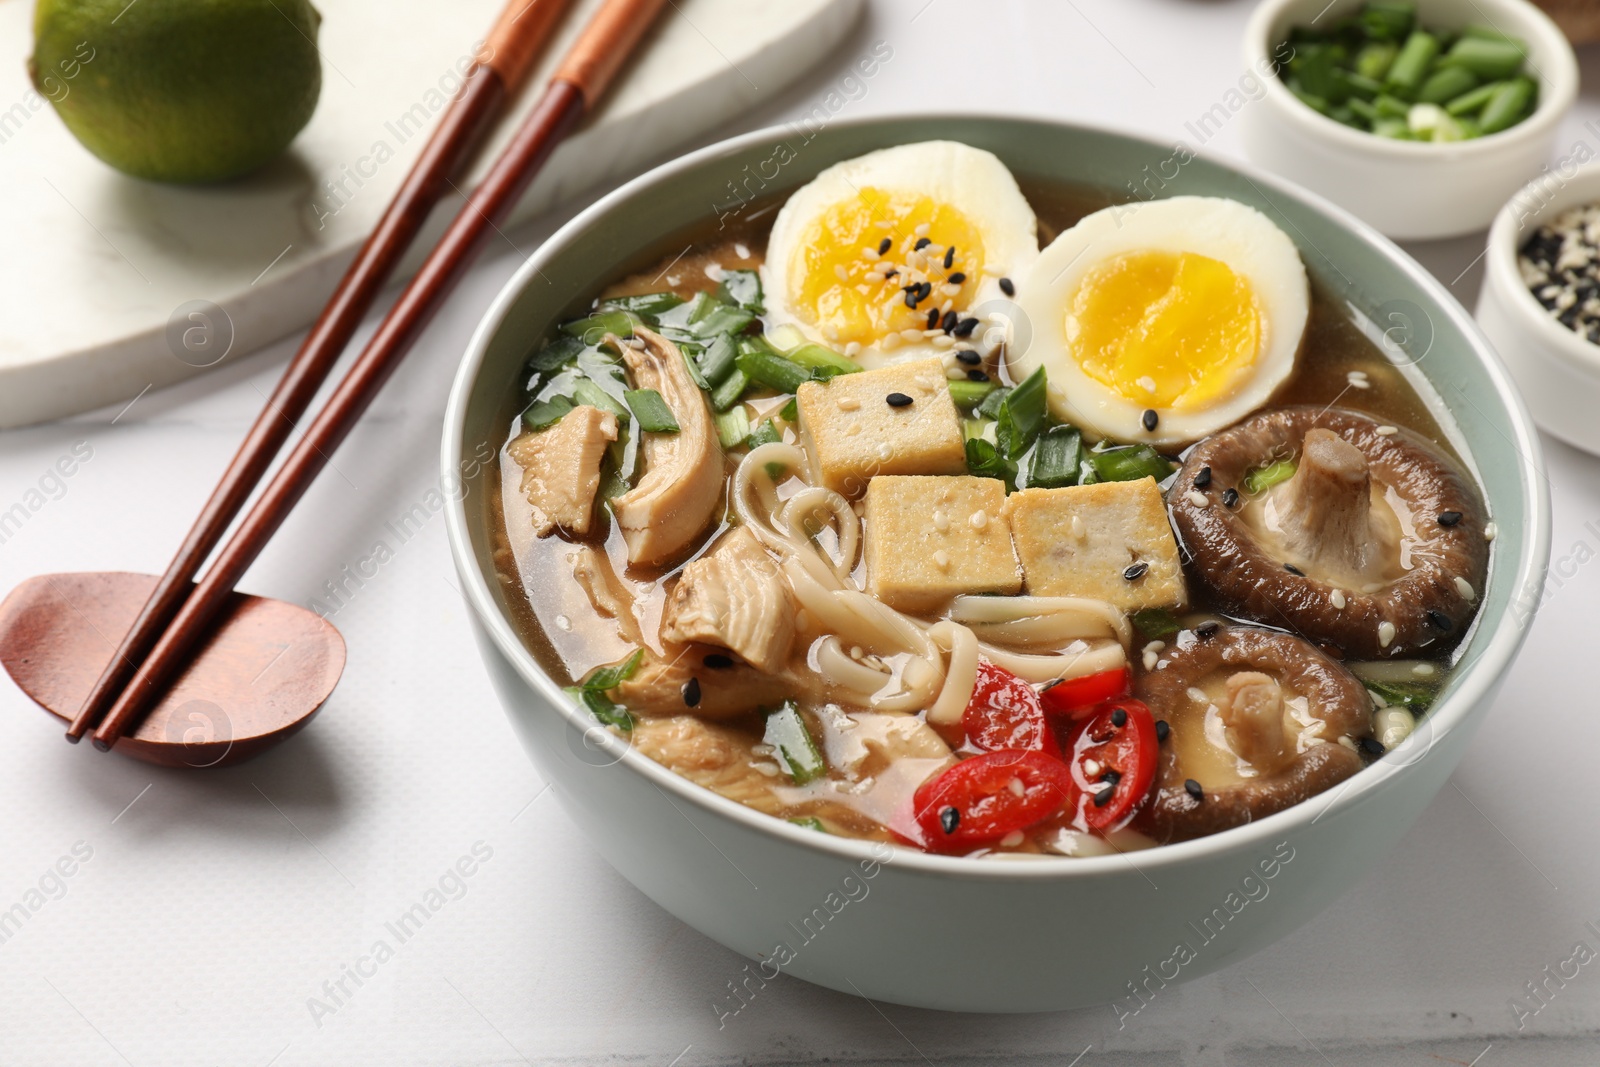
[932, 508]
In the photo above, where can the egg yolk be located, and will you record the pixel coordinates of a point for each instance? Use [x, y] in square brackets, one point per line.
[850, 291]
[1165, 329]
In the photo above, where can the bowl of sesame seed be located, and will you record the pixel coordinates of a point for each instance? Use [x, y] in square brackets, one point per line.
[1540, 301]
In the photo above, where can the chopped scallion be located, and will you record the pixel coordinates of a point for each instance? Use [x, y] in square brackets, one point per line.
[969, 395]
[1129, 464]
[1056, 459]
[652, 412]
[1261, 479]
[543, 413]
[792, 743]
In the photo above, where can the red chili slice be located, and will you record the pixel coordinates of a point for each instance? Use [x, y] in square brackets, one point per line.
[1004, 712]
[1124, 755]
[984, 798]
[1077, 698]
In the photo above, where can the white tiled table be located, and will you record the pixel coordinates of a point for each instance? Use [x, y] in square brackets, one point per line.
[213, 907]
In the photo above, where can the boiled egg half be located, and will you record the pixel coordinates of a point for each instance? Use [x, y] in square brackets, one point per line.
[899, 254]
[1163, 321]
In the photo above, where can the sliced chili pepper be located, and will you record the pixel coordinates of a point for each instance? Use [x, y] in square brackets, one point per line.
[1113, 762]
[1004, 712]
[986, 797]
[1077, 698]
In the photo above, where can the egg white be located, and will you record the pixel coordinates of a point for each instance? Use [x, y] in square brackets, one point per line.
[966, 178]
[1225, 230]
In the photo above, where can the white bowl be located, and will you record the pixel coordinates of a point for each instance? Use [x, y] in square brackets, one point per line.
[1406, 189]
[1557, 370]
[936, 931]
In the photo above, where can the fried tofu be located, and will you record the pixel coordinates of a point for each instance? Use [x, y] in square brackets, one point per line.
[932, 538]
[561, 468]
[852, 432]
[1110, 541]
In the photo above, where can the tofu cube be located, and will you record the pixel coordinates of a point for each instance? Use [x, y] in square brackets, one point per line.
[853, 433]
[1110, 541]
[931, 538]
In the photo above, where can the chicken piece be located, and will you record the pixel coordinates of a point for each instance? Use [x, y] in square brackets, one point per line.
[561, 468]
[682, 481]
[734, 597]
[712, 756]
[608, 596]
[722, 686]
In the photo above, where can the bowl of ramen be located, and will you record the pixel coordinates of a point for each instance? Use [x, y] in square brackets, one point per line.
[933, 575]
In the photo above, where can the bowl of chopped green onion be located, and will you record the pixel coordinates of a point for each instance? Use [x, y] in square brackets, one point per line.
[1421, 116]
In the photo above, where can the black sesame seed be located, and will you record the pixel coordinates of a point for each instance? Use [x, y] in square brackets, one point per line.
[1102, 798]
[949, 257]
[968, 356]
[890, 274]
[1111, 777]
[691, 692]
[898, 400]
[1149, 419]
[1208, 628]
[1162, 730]
[1119, 717]
[933, 319]
[717, 661]
[1372, 746]
[965, 327]
[949, 818]
[1439, 619]
[1230, 498]
[949, 321]
[1292, 569]
[1135, 571]
[1449, 518]
[925, 290]
[1202, 479]
[884, 246]
[912, 299]
[1192, 787]
[976, 375]
[923, 242]
[1007, 287]
[957, 278]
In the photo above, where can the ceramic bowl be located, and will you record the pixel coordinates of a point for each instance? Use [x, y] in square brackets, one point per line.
[1558, 371]
[892, 923]
[1406, 189]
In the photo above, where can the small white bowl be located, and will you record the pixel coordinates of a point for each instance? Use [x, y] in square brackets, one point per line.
[1406, 189]
[1556, 369]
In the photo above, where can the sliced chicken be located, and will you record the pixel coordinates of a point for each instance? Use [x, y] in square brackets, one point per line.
[734, 597]
[709, 755]
[561, 468]
[682, 482]
[607, 595]
[702, 680]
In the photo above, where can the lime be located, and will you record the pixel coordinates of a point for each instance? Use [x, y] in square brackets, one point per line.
[179, 90]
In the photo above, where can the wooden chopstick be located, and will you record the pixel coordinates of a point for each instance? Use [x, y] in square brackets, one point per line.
[585, 72]
[523, 30]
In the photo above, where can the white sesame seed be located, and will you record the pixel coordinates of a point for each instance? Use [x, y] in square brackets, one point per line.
[911, 335]
[840, 273]
[1091, 767]
[852, 350]
[870, 253]
[1358, 379]
[1489, 531]
[1336, 598]
[1197, 498]
[922, 230]
[949, 289]
[1077, 527]
[941, 559]
[941, 520]
[1464, 587]
[979, 520]
[1385, 633]
[1386, 431]
[1149, 660]
[1012, 840]
[1147, 383]
[890, 342]
[1347, 743]
[1198, 695]
[885, 450]
[944, 340]
[849, 403]
[741, 250]
[1424, 670]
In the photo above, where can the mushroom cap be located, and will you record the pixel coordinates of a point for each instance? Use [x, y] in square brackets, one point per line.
[1332, 694]
[1441, 563]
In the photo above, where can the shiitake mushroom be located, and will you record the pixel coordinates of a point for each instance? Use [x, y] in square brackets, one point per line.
[1375, 545]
